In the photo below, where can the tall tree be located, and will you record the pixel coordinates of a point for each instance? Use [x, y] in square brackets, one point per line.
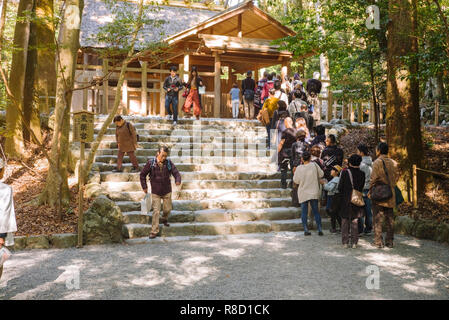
[56, 187]
[403, 117]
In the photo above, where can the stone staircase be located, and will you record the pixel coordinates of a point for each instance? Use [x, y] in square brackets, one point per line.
[229, 183]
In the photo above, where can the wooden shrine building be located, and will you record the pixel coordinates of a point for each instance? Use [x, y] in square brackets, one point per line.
[219, 42]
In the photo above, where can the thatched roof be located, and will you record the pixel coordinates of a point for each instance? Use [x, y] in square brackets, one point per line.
[97, 14]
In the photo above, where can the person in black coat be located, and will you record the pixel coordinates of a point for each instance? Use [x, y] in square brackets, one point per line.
[332, 155]
[349, 212]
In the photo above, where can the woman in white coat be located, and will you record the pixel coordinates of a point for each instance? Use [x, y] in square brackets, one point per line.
[7, 215]
[308, 177]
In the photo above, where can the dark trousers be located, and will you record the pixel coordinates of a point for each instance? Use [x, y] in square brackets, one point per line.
[366, 222]
[268, 127]
[349, 226]
[131, 156]
[173, 100]
[380, 214]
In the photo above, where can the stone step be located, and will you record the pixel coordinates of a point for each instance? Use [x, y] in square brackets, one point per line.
[132, 231]
[111, 159]
[187, 145]
[193, 205]
[206, 153]
[199, 185]
[217, 215]
[184, 121]
[184, 167]
[125, 176]
[193, 131]
[185, 138]
[202, 194]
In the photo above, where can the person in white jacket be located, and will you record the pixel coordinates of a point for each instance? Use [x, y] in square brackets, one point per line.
[308, 177]
[7, 216]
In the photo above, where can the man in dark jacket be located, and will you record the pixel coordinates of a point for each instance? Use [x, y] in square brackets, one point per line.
[172, 85]
[332, 155]
[248, 90]
[159, 170]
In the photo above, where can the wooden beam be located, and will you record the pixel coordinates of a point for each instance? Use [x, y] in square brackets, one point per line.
[239, 26]
[257, 29]
[217, 86]
[144, 94]
[105, 104]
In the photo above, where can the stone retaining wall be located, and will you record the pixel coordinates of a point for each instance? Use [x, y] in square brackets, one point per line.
[422, 229]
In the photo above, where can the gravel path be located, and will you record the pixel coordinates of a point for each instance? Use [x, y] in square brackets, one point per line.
[258, 266]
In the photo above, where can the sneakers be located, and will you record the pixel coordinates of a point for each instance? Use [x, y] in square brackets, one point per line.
[378, 246]
[152, 235]
[320, 233]
[354, 246]
[345, 246]
[117, 170]
[307, 233]
[175, 123]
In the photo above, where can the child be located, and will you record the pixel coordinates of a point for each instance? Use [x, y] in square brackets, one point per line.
[235, 100]
[332, 188]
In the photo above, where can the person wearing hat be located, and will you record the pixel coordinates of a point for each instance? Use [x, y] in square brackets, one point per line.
[351, 178]
[7, 214]
[332, 187]
[248, 90]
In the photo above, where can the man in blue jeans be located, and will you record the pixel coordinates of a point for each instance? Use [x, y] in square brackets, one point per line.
[172, 85]
[366, 225]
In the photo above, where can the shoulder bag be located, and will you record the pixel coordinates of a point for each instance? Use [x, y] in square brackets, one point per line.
[380, 191]
[356, 195]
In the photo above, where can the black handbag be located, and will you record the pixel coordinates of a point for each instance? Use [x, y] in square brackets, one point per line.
[380, 191]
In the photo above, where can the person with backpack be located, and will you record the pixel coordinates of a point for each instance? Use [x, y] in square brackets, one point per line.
[350, 187]
[331, 188]
[320, 138]
[172, 85]
[308, 177]
[332, 155]
[270, 105]
[248, 90]
[279, 93]
[366, 221]
[295, 106]
[385, 172]
[159, 170]
[288, 137]
[126, 137]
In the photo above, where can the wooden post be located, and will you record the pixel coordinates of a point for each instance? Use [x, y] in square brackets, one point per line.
[105, 104]
[330, 102]
[415, 187]
[344, 111]
[124, 104]
[181, 100]
[144, 91]
[217, 85]
[80, 196]
[161, 93]
[360, 112]
[371, 113]
[437, 113]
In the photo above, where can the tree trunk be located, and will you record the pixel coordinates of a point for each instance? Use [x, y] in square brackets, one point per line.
[30, 100]
[375, 104]
[14, 145]
[45, 81]
[403, 117]
[56, 187]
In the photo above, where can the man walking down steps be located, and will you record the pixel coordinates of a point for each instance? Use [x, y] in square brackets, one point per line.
[159, 170]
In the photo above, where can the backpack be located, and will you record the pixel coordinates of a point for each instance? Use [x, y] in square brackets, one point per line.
[137, 136]
[153, 164]
[249, 94]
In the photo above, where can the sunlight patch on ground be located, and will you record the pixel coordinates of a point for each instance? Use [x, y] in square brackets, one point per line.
[146, 260]
[78, 295]
[412, 243]
[231, 253]
[391, 263]
[422, 286]
[149, 279]
[191, 271]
